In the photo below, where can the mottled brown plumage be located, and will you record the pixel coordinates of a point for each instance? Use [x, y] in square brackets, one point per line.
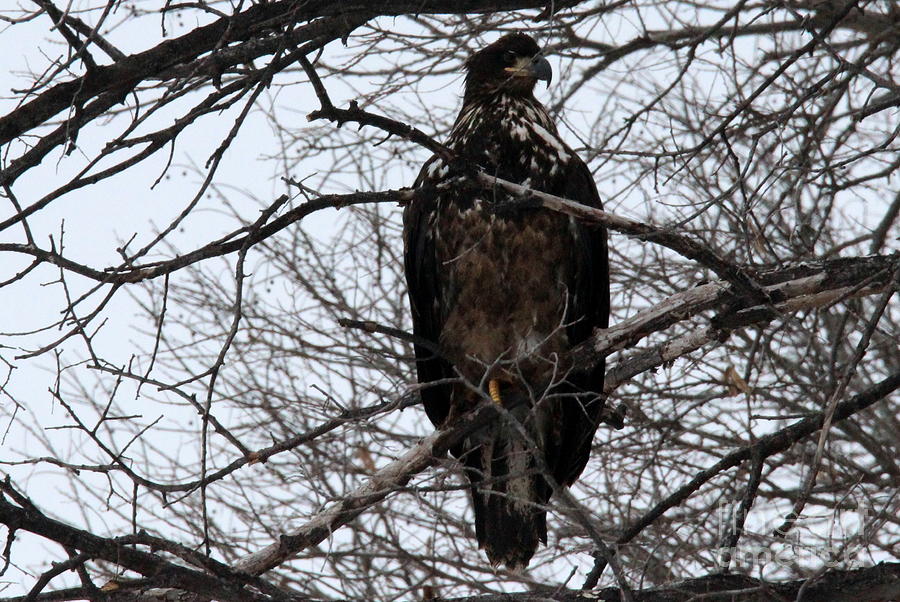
[505, 295]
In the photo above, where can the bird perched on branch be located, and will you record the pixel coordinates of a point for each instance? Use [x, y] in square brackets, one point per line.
[505, 294]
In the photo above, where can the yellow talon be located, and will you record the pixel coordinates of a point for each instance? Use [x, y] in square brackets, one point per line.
[494, 390]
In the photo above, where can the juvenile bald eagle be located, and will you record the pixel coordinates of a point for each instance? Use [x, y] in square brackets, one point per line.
[505, 295]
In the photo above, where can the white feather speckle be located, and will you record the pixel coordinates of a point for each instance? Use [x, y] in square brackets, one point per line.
[437, 170]
[551, 141]
[519, 132]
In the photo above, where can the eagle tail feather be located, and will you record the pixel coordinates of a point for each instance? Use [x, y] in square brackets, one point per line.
[509, 498]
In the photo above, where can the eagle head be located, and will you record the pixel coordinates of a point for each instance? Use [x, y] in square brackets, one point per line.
[513, 64]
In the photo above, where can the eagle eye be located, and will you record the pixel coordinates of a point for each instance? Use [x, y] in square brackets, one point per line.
[509, 56]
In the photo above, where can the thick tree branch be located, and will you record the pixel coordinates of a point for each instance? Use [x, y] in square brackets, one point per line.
[376, 488]
[798, 288]
[871, 584]
[18, 513]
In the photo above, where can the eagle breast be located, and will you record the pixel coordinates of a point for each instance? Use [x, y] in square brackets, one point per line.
[503, 291]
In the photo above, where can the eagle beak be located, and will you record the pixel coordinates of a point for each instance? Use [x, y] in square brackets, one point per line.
[541, 69]
[537, 67]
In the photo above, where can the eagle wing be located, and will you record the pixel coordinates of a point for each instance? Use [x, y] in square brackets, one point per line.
[420, 265]
[589, 310]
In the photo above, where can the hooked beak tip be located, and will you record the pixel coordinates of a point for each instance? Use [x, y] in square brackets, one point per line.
[542, 70]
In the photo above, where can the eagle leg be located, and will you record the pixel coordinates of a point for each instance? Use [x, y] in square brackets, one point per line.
[494, 390]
